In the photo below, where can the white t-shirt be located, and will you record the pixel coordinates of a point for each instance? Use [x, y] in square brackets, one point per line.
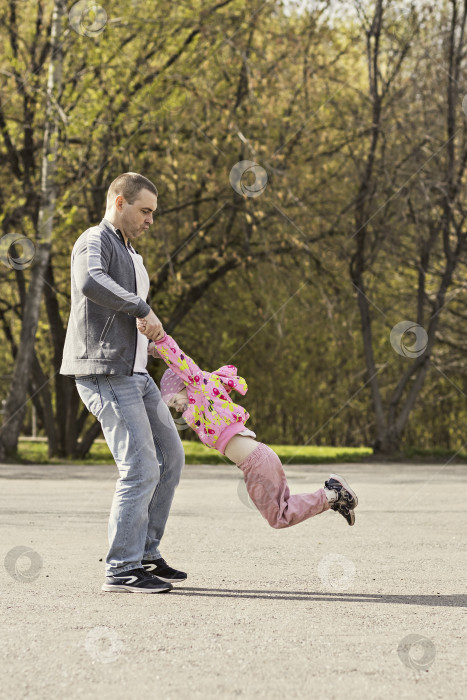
[142, 289]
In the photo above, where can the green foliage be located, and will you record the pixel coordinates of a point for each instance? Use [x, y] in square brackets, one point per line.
[196, 453]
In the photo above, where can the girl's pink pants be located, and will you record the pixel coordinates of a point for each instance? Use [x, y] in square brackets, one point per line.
[267, 487]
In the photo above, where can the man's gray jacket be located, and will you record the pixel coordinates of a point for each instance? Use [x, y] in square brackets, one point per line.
[101, 336]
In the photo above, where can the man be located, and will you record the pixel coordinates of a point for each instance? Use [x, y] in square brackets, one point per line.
[107, 356]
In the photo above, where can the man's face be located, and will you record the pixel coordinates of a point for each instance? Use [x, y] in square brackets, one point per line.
[135, 218]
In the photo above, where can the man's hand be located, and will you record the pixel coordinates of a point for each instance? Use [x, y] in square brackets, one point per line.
[150, 326]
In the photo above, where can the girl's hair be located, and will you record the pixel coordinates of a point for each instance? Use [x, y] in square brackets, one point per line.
[170, 385]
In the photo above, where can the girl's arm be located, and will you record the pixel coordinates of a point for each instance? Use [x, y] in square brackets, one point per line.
[178, 361]
[166, 347]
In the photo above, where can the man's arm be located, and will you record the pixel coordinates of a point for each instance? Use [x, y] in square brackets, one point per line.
[90, 264]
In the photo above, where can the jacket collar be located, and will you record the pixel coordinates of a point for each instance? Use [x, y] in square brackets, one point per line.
[105, 223]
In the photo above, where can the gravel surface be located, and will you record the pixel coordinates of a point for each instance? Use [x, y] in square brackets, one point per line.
[317, 610]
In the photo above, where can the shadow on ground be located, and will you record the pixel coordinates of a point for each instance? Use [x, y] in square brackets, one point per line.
[450, 601]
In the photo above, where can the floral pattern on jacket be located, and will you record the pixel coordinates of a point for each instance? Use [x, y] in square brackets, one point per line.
[210, 410]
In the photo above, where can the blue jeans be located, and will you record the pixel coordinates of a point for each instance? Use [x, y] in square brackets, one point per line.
[141, 434]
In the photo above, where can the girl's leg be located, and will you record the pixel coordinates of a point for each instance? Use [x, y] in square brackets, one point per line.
[267, 486]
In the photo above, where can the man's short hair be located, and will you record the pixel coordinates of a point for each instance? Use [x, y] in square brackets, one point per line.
[129, 185]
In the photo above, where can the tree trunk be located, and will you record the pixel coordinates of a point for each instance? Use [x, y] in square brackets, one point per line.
[65, 401]
[39, 391]
[83, 447]
[388, 443]
[17, 398]
[39, 386]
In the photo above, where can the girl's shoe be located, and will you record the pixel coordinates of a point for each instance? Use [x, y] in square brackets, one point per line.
[346, 499]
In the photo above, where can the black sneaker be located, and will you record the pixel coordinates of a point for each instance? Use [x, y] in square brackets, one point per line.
[346, 498]
[160, 568]
[347, 513]
[135, 581]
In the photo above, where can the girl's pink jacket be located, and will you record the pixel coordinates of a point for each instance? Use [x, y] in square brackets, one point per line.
[211, 413]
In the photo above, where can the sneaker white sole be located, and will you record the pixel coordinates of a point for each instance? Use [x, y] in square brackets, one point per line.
[115, 588]
[347, 487]
[171, 580]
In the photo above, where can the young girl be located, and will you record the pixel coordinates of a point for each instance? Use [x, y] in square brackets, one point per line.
[204, 400]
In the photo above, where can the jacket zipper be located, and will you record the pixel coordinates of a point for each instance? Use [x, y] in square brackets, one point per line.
[135, 291]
